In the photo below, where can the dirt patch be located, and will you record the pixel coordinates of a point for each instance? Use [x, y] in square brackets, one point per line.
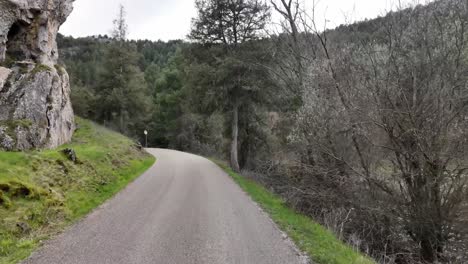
[5, 187]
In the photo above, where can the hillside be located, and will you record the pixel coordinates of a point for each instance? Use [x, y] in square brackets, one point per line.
[42, 192]
[362, 128]
[91, 63]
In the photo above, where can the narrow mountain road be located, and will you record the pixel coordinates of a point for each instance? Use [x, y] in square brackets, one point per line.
[183, 210]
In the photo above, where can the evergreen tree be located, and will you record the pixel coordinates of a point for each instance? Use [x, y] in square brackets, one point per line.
[123, 94]
[120, 30]
[168, 95]
[231, 23]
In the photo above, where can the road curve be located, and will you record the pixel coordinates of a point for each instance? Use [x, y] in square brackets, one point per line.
[182, 210]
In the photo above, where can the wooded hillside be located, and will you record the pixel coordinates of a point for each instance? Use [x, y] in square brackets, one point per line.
[363, 127]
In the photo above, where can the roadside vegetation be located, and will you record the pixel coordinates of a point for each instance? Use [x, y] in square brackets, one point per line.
[362, 128]
[320, 244]
[43, 192]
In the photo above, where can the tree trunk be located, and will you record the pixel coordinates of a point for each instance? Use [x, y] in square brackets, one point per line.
[428, 249]
[121, 120]
[235, 138]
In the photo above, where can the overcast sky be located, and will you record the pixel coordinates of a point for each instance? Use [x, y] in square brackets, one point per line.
[171, 19]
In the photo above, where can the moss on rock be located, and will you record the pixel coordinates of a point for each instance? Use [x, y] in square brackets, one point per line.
[9, 126]
[40, 68]
[60, 69]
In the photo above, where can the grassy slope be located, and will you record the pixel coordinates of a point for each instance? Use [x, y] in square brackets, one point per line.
[318, 242]
[44, 192]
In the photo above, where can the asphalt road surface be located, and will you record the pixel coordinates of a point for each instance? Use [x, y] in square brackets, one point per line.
[183, 210]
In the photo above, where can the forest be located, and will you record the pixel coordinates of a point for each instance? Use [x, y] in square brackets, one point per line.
[363, 127]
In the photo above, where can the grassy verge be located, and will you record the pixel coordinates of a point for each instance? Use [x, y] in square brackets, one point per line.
[315, 240]
[42, 192]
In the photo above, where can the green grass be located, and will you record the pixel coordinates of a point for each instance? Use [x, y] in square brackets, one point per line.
[45, 192]
[315, 240]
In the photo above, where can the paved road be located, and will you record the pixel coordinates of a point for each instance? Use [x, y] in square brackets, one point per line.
[183, 210]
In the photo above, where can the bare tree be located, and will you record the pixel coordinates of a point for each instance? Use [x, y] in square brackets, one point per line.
[384, 114]
[120, 30]
[289, 10]
[420, 94]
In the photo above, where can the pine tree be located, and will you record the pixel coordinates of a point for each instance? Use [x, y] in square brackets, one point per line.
[123, 94]
[231, 23]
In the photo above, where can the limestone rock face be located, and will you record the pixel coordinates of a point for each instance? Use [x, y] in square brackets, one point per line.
[28, 28]
[35, 107]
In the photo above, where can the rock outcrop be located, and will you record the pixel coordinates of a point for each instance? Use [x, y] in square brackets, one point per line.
[35, 107]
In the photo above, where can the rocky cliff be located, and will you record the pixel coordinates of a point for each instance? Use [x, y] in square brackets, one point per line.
[35, 107]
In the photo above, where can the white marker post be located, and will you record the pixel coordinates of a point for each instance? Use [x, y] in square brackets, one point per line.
[146, 139]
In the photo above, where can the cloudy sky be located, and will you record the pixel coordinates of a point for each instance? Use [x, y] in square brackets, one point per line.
[171, 19]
